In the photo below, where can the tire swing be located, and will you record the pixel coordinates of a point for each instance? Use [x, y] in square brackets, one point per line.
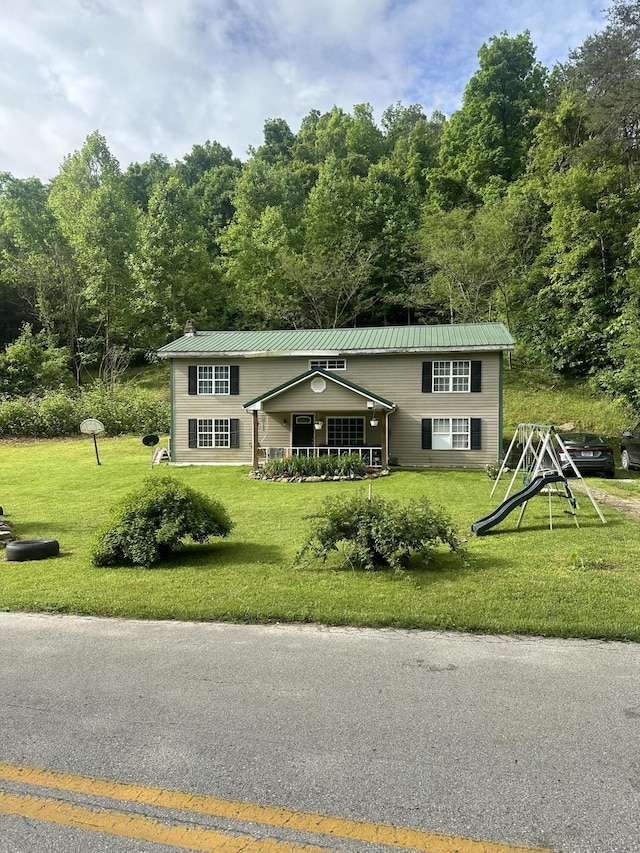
[32, 549]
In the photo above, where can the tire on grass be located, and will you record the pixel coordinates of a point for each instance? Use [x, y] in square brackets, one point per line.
[32, 549]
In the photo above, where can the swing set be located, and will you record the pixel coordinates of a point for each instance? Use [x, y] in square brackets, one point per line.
[540, 451]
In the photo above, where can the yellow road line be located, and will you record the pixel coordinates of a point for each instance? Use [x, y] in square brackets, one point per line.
[142, 828]
[380, 833]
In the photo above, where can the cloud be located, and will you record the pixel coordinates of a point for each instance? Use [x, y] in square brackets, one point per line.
[163, 75]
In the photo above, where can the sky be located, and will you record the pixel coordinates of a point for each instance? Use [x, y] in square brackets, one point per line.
[160, 76]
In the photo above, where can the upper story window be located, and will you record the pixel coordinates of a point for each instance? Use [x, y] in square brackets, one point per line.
[214, 379]
[328, 364]
[451, 376]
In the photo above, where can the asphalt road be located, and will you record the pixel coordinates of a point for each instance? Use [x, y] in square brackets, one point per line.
[519, 741]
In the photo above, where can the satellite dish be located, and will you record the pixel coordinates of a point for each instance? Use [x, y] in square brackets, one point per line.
[91, 426]
[150, 440]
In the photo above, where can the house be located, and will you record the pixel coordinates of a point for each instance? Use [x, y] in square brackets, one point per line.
[423, 396]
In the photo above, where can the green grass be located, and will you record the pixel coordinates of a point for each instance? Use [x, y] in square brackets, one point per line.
[531, 396]
[560, 582]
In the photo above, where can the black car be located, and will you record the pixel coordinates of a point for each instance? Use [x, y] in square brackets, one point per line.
[590, 454]
[630, 448]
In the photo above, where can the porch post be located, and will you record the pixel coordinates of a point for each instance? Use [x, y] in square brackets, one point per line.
[255, 439]
[383, 442]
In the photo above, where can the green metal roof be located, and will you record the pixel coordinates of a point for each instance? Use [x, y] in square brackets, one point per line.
[335, 342]
[339, 380]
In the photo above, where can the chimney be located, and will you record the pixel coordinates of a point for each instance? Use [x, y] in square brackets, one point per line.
[190, 328]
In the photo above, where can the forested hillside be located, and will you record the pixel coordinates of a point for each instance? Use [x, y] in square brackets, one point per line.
[523, 206]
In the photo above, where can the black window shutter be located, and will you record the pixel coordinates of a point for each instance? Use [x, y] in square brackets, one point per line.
[426, 433]
[427, 382]
[234, 432]
[193, 432]
[234, 379]
[476, 376]
[193, 379]
[476, 434]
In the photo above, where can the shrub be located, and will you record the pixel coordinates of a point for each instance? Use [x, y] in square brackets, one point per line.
[125, 409]
[59, 414]
[154, 520]
[346, 465]
[122, 410]
[376, 533]
[19, 418]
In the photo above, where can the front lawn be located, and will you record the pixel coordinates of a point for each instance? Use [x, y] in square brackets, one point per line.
[562, 582]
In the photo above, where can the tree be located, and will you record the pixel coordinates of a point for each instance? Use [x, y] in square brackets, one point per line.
[29, 365]
[39, 264]
[142, 179]
[278, 141]
[583, 261]
[484, 144]
[173, 267]
[97, 217]
[462, 278]
[604, 72]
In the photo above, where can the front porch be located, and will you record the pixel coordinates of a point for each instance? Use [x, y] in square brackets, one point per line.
[319, 413]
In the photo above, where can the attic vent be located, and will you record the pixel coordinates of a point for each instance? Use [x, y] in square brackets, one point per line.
[190, 328]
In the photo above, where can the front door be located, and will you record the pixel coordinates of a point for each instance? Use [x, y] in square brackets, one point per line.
[302, 430]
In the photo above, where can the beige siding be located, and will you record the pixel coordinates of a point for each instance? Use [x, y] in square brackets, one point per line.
[396, 377]
[301, 398]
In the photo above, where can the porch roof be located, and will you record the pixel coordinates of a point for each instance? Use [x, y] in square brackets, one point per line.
[381, 402]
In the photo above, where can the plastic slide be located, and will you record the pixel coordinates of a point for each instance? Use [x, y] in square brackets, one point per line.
[481, 526]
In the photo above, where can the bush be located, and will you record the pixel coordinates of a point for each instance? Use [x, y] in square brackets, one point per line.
[154, 520]
[19, 418]
[376, 533]
[122, 410]
[58, 414]
[125, 409]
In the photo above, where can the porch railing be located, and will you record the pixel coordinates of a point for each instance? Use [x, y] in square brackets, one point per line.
[371, 456]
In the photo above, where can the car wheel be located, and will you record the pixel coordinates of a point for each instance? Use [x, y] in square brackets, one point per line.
[624, 459]
[32, 549]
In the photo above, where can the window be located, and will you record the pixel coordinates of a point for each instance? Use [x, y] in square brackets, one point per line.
[214, 432]
[451, 376]
[205, 432]
[328, 364]
[345, 432]
[205, 380]
[451, 434]
[214, 379]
